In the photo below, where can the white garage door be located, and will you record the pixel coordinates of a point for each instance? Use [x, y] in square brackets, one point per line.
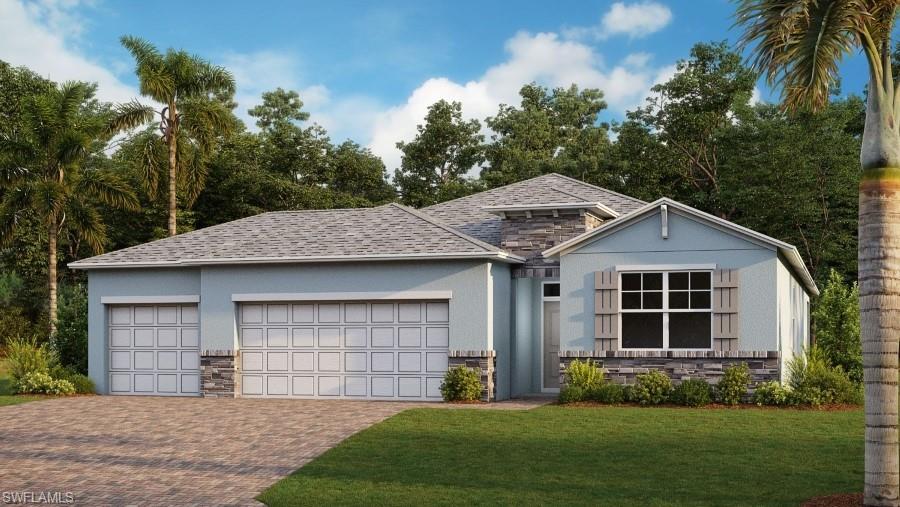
[374, 350]
[154, 350]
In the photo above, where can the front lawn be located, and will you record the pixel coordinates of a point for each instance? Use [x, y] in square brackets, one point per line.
[617, 456]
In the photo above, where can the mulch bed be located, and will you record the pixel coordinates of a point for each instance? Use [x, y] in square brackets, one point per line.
[838, 500]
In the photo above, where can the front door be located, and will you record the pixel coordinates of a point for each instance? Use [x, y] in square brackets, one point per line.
[551, 344]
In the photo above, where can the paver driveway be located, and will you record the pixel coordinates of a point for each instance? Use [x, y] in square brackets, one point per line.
[109, 450]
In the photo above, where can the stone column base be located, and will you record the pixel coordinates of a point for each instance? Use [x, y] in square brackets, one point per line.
[220, 374]
[622, 367]
[483, 361]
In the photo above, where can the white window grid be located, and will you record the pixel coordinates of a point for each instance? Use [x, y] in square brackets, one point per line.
[665, 310]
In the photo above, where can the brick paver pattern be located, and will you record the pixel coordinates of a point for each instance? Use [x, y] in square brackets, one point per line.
[110, 450]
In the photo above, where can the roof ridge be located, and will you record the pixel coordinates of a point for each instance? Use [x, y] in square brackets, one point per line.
[419, 214]
[595, 187]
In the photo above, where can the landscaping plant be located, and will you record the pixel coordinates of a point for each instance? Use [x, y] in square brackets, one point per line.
[82, 383]
[692, 393]
[608, 393]
[733, 386]
[24, 356]
[36, 382]
[772, 394]
[571, 394]
[836, 318]
[461, 384]
[584, 374]
[815, 381]
[71, 339]
[652, 388]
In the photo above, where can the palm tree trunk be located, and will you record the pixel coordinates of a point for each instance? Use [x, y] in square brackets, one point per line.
[879, 297]
[52, 231]
[173, 149]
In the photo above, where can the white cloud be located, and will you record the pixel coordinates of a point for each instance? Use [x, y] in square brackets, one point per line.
[634, 20]
[542, 57]
[43, 37]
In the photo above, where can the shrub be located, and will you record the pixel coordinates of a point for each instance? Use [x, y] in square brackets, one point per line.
[608, 393]
[584, 374]
[628, 393]
[692, 393]
[461, 384]
[733, 386]
[83, 384]
[571, 394]
[43, 383]
[814, 381]
[772, 394]
[24, 356]
[70, 340]
[836, 317]
[652, 388]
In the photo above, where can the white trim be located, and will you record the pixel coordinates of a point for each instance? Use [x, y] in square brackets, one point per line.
[148, 300]
[500, 256]
[343, 296]
[789, 251]
[544, 299]
[665, 267]
[555, 207]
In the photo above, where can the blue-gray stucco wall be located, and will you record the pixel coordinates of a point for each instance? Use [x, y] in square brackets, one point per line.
[481, 298]
[689, 242]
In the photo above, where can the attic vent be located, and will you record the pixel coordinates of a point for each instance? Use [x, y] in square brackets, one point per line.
[664, 221]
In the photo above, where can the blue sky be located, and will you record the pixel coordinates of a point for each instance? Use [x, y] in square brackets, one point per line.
[368, 71]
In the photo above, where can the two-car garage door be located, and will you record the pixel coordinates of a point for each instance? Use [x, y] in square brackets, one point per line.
[352, 349]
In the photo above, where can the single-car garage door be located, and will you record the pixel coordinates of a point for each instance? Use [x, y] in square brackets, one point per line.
[154, 350]
[359, 349]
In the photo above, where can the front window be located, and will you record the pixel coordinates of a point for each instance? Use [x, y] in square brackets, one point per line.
[666, 310]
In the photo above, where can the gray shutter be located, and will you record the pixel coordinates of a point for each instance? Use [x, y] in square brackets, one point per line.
[726, 323]
[606, 310]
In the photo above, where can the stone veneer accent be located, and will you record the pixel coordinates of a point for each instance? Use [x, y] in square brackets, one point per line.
[529, 233]
[622, 367]
[484, 362]
[219, 374]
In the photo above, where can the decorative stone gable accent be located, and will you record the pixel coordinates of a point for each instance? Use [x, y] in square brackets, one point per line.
[622, 367]
[483, 362]
[219, 374]
[606, 310]
[726, 325]
[529, 233]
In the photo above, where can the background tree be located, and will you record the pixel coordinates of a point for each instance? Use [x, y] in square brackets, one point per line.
[356, 171]
[46, 175]
[836, 314]
[435, 164]
[798, 45]
[551, 131]
[195, 96]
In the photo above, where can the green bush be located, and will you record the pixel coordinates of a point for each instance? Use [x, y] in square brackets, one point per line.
[692, 393]
[836, 317]
[608, 393]
[571, 394]
[461, 384]
[772, 394]
[83, 384]
[815, 381]
[733, 386]
[24, 356]
[42, 383]
[70, 340]
[584, 374]
[652, 388]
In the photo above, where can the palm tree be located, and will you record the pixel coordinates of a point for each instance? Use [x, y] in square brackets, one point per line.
[44, 173]
[798, 44]
[194, 96]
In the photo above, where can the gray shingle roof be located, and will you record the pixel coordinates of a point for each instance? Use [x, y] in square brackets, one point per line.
[466, 214]
[385, 231]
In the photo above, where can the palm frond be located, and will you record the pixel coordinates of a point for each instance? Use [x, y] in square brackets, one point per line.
[14, 204]
[70, 98]
[108, 189]
[128, 116]
[48, 196]
[85, 222]
[798, 44]
[192, 170]
[142, 50]
[204, 120]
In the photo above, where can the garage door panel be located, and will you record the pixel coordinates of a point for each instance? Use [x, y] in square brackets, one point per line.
[154, 350]
[378, 349]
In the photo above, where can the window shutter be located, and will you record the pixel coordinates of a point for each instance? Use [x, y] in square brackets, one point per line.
[726, 324]
[606, 310]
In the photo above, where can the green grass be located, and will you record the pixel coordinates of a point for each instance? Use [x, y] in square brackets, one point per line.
[6, 396]
[617, 456]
